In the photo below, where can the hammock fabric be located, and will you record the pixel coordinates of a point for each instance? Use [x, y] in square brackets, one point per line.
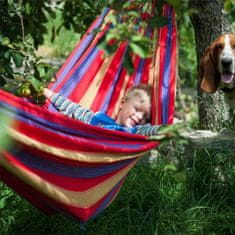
[63, 165]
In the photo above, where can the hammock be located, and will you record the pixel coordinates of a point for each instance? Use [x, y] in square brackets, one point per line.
[63, 165]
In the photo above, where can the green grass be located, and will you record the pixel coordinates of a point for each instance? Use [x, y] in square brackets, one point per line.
[153, 200]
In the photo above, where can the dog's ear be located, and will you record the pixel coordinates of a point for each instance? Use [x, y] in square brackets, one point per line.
[208, 73]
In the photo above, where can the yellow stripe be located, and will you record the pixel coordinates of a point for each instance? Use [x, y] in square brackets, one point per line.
[72, 155]
[154, 72]
[88, 98]
[120, 96]
[78, 199]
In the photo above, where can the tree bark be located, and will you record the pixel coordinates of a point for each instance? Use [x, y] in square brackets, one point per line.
[208, 22]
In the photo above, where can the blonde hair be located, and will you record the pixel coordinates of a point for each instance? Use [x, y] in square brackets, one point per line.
[135, 91]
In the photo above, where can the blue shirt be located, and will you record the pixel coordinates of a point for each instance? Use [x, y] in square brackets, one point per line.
[75, 111]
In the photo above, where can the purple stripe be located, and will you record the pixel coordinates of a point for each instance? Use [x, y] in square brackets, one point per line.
[107, 200]
[80, 50]
[139, 72]
[110, 92]
[78, 74]
[166, 75]
[137, 79]
[82, 136]
[76, 77]
[35, 161]
[142, 62]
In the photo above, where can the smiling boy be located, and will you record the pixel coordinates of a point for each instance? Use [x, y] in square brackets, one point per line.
[133, 116]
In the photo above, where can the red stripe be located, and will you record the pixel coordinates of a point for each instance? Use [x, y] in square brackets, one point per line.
[80, 90]
[75, 144]
[145, 73]
[65, 182]
[108, 78]
[64, 161]
[78, 63]
[173, 75]
[63, 120]
[115, 96]
[162, 43]
[45, 203]
[77, 47]
[26, 191]
[122, 86]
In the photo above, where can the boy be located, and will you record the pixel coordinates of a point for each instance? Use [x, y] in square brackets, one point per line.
[135, 112]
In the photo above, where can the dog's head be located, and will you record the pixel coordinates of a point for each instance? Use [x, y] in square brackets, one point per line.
[217, 67]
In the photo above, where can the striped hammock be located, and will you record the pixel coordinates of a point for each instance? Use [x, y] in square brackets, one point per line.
[63, 165]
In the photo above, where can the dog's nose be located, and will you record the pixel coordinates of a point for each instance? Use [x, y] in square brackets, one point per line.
[226, 61]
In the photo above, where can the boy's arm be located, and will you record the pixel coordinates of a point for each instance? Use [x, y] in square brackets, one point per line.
[151, 130]
[147, 129]
[68, 107]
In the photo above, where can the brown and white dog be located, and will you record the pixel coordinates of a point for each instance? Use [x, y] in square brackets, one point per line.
[217, 68]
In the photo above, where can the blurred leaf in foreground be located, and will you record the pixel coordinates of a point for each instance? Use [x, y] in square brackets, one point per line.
[5, 121]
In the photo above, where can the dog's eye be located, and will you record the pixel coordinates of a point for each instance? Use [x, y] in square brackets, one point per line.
[219, 46]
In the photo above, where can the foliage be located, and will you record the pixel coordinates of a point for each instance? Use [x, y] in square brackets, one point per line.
[127, 18]
[23, 74]
[78, 15]
[5, 122]
[193, 195]
[9, 208]
[22, 28]
[229, 6]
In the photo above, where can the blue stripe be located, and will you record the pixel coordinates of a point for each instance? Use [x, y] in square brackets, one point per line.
[37, 162]
[108, 97]
[139, 71]
[76, 77]
[166, 76]
[142, 62]
[107, 200]
[64, 131]
[80, 50]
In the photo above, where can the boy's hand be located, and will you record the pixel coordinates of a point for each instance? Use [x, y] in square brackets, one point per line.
[168, 131]
[48, 93]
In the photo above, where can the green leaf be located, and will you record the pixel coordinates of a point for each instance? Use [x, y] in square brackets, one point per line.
[127, 62]
[3, 202]
[27, 8]
[37, 85]
[170, 167]
[18, 59]
[141, 39]
[133, 14]
[5, 41]
[159, 21]
[174, 3]
[139, 49]
[4, 123]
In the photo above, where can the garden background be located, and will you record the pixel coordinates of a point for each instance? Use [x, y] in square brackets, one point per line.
[186, 194]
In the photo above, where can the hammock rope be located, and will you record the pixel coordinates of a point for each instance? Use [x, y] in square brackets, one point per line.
[63, 165]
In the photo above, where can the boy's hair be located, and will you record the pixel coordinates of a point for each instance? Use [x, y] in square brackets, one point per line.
[134, 91]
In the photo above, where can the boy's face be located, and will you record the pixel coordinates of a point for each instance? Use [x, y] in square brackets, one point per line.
[135, 110]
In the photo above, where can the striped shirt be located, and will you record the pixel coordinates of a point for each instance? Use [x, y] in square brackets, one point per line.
[78, 112]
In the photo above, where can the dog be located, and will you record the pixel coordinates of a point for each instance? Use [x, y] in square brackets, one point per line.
[217, 68]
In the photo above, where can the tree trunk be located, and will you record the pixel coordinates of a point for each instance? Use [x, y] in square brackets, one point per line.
[208, 22]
